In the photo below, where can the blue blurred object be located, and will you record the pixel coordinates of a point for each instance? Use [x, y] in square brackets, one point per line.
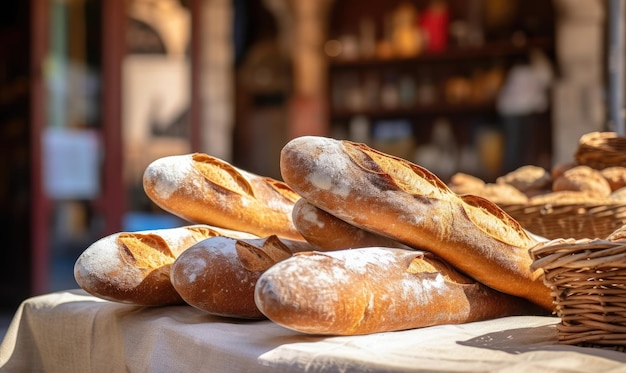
[137, 221]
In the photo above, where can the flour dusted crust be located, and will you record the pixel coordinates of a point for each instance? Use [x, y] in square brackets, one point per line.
[527, 178]
[462, 183]
[371, 290]
[203, 189]
[218, 275]
[501, 193]
[326, 232]
[584, 179]
[565, 197]
[619, 195]
[616, 176]
[134, 267]
[405, 202]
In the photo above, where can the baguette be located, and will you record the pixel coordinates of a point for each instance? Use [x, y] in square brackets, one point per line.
[218, 275]
[407, 203]
[134, 267]
[203, 189]
[371, 290]
[329, 233]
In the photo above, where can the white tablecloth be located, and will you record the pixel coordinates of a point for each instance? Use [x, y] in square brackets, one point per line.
[71, 331]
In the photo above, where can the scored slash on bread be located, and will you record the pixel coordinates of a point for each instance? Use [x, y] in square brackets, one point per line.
[134, 267]
[218, 275]
[203, 189]
[392, 197]
[371, 290]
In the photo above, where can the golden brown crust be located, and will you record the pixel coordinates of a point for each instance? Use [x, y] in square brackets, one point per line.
[502, 194]
[619, 195]
[616, 176]
[326, 232]
[583, 179]
[527, 178]
[462, 183]
[134, 267]
[204, 189]
[218, 275]
[618, 235]
[565, 197]
[371, 290]
[403, 201]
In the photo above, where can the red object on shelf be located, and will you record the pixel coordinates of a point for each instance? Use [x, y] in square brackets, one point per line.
[433, 21]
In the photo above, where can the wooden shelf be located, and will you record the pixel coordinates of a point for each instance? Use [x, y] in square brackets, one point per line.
[489, 50]
[416, 110]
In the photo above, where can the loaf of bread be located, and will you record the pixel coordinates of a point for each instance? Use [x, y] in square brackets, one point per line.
[370, 290]
[616, 176]
[564, 197]
[462, 183]
[326, 232]
[527, 178]
[584, 179]
[407, 203]
[218, 275]
[134, 267]
[203, 189]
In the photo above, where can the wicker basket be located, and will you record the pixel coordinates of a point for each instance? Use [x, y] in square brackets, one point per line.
[577, 221]
[600, 150]
[587, 279]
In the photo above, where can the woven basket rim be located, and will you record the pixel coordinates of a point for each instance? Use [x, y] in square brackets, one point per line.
[587, 281]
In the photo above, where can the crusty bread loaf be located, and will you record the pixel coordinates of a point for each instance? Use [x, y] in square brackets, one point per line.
[462, 183]
[527, 178]
[564, 197]
[370, 290]
[134, 267]
[326, 232]
[204, 189]
[584, 179]
[218, 275]
[501, 193]
[618, 195]
[393, 197]
[616, 176]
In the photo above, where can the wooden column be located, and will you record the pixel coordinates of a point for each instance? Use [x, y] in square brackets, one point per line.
[40, 205]
[113, 200]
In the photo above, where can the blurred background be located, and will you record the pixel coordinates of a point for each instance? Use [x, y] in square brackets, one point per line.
[91, 91]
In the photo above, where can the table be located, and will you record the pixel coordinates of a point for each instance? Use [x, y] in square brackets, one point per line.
[71, 331]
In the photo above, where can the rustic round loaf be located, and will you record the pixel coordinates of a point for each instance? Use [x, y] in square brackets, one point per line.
[501, 193]
[462, 183]
[618, 195]
[616, 176]
[584, 179]
[565, 197]
[527, 178]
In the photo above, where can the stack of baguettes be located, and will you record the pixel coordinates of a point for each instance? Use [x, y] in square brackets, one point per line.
[354, 241]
